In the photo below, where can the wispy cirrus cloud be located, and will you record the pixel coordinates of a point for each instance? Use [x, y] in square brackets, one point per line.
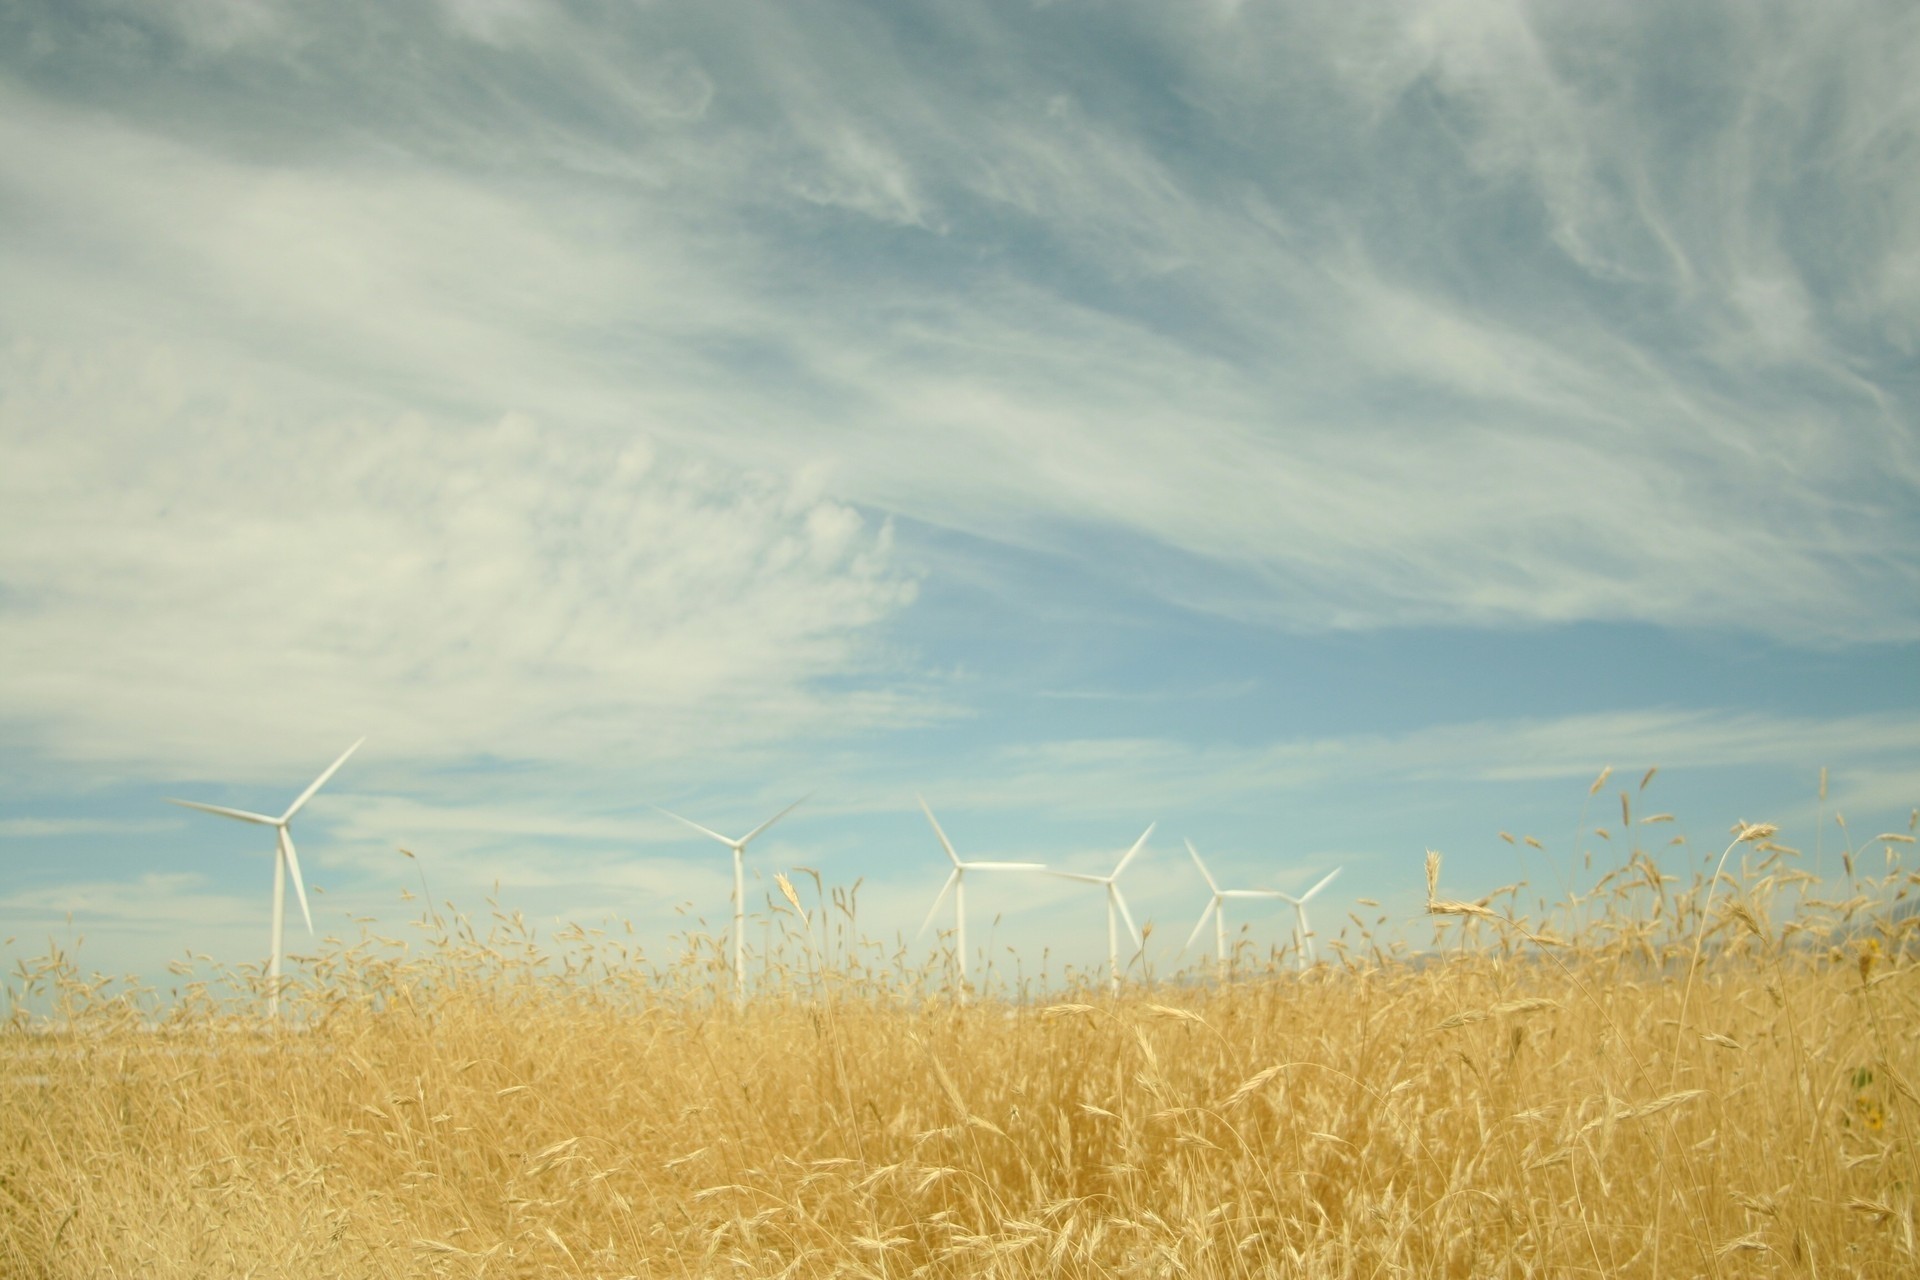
[36, 828]
[1173, 777]
[191, 594]
[1081, 308]
[596, 405]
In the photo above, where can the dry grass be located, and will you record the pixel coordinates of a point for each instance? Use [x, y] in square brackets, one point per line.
[1688, 1087]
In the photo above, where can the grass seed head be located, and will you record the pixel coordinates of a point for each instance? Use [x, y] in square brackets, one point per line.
[479, 1108]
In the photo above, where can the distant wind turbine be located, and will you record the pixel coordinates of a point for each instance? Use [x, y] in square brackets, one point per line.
[957, 882]
[1216, 908]
[1115, 903]
[739, 848]
[285, 862]
[1300, 910]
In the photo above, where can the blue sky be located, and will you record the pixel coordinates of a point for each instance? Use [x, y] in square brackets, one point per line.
[1328, 431]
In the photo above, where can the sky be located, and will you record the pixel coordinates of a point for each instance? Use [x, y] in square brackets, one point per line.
[1324, 431]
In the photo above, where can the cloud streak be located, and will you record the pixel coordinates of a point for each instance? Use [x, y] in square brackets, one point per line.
[595, 405]
[187, 587]
[1167, 776]
[1071, 310]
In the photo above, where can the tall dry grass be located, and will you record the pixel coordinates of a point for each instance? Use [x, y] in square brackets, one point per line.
[1695, 1083]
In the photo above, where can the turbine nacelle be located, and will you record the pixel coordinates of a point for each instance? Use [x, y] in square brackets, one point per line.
[956, 884]
[1116, 902]
[283, 846]
[286, 860]
[1300, 914]
[739, 848]
[1216, 910]
[740, 845]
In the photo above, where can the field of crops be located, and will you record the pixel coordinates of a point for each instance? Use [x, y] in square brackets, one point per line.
[1653, 1082]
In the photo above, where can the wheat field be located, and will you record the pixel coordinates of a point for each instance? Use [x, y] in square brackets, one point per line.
[1655, 1080]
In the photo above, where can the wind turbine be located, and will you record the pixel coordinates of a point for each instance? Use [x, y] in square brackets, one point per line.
[1300, 910]
[957, 882]
[739, 848]
[285, 861]
[1217, 908]
[1114, 902]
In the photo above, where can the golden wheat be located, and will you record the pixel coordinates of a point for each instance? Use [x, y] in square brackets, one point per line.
[1682, 1089]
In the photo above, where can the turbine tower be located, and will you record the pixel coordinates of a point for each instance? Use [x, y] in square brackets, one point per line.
[1115, 903]
[285, 862]
[1300, 910]
[1217, 909]
[957, 882]
[739, 848]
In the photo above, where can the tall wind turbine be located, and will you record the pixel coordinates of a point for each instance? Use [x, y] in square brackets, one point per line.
[1300, 910]
[957, 882]
[1218, 910]
[739, 848]
[285, 861]
[1114, 903]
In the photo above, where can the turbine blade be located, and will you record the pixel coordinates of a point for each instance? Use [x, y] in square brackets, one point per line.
[1121, 901]
[1324, 882]
[240, 814]
[1081, 876]
[293, 868]
[320, 781]
[697, 827]
[944, 842]
[1005, 866]
[1251, 893]
[953, 877]
[775, 818]
[1136, 849]
[1204, 917]
[1204, 873]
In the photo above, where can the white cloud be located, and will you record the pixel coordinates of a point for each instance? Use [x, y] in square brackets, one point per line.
[496, 22]
[32, 828]
[1288, 404]
[1157, 775]
[861, 175]
[150, 903]
[196, 586]
[495, 383]
[219, 26]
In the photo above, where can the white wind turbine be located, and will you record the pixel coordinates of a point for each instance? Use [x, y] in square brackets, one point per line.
[739, 848]
[285, 861]
[957, 882]
[1115, 902]
[1300, 910]
[1217, 909]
